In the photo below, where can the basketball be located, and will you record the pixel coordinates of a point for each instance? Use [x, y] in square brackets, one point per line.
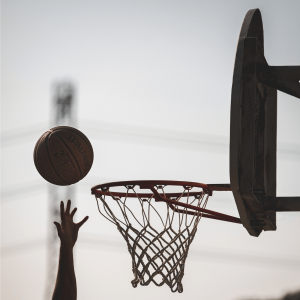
[63, 155]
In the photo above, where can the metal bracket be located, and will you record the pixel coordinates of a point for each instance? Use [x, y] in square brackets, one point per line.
[282, 203]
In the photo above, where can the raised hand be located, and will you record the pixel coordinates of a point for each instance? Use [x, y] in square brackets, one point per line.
[68, 230]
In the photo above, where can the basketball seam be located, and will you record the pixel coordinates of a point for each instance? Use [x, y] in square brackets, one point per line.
[47, 143]
[85, 138]
[76, 131]
[81, 176]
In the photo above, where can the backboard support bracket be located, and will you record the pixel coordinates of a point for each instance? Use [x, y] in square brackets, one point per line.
[282, 203]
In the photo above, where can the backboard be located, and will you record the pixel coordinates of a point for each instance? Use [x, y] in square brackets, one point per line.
[253, 126]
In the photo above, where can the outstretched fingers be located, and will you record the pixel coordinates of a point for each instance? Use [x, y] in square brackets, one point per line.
[62, 211]
[68, 207]
[73, 212]
[82, 222]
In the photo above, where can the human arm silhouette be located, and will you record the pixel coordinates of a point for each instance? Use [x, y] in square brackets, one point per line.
[65, 286]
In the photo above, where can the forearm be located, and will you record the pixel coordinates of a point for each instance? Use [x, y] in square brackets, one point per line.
[65, 286]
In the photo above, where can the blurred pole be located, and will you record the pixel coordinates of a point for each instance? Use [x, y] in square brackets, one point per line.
[63, 112]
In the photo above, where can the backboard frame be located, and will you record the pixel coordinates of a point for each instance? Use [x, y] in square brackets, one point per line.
[253, 127]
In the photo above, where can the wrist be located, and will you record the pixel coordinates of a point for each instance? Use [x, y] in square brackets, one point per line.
[66, 247]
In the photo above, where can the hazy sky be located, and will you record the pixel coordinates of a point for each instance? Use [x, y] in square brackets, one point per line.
[164, 65]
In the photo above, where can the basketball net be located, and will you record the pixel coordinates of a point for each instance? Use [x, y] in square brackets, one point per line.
[158, 250]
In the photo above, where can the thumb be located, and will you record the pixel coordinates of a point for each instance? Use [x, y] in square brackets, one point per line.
[58, 228]
[82, 222]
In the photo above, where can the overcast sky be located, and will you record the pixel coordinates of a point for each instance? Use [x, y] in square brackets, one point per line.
[164, 65]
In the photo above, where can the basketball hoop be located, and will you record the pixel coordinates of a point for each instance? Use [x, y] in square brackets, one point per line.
[159, 249]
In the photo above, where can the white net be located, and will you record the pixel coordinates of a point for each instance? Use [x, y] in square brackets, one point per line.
[158, 234]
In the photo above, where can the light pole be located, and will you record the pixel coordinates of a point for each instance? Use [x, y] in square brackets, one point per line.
[63, 113]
